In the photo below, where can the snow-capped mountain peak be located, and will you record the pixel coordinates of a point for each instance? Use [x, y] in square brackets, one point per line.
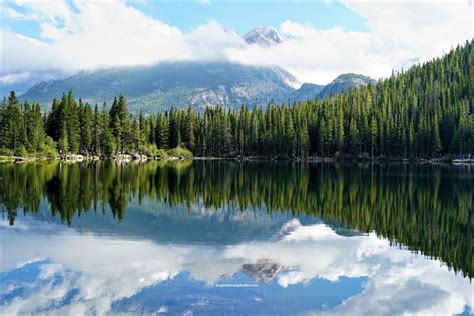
[264, 36]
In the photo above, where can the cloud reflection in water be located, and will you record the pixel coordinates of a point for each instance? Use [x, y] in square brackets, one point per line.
[50, 268]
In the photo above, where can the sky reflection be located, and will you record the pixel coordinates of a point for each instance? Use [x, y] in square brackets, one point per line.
[303, 268]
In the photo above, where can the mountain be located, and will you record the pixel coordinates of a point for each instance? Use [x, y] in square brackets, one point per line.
[344, 82]
[158, 87]
[264, 36]
[307, 91]
[21, 82]
[161, 86]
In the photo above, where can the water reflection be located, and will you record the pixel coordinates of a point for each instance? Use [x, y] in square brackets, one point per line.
[223, 237]
[304, 268]
[427, 208]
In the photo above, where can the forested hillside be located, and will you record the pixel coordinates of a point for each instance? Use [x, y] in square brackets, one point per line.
[425, 112]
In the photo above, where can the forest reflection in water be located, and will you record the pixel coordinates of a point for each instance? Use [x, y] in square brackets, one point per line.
[427, 208]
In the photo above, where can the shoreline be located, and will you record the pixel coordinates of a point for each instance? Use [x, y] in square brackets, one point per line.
[311, 159]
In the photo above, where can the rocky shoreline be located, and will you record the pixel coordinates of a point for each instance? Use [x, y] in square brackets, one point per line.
[143, 158]
[83, 158]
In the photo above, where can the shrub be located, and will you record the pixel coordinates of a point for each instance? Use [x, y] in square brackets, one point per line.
[180, 152]
[21, 151]
[161, 153]
[150, 150]
[48, 149]
[6, 152]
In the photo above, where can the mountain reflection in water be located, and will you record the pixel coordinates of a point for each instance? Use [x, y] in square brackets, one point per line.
[283, 238]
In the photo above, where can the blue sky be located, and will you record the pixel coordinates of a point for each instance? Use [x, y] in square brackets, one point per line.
[245, 15]
[239, 15]
[322, 39]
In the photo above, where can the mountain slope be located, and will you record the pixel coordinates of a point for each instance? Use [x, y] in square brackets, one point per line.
[151, 88]
[307, 91]
[344, 82]
[159, 87]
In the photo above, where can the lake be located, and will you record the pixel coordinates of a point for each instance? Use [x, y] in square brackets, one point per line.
[222, 237]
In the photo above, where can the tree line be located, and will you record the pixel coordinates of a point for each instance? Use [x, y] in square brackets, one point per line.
[425, 207]
[425, 112]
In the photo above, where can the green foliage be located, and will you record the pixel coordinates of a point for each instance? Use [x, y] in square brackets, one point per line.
[86, 121]
[162, 154]
[12, 127]
[21, 151]
[48, 149]
[120, 124]
[180, 152]
[6, 152]
[106, 138]
[150, 150]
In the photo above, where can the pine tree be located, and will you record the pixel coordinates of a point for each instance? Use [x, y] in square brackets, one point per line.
[162, 131]
[13, 127]
[86, 122]
[107, 140]
[96, 131]
[35, 128]
[125, 123]
[174, 129]
[54, 121]
[190, 138]
[71, 118]
[373, 134]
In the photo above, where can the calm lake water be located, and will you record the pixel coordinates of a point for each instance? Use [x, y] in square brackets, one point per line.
[228, 238]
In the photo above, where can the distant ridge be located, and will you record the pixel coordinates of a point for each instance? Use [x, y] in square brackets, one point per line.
[159, 87]
[344, 82]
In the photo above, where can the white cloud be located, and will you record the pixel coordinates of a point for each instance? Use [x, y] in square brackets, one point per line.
[14, 77]
[399, 32]
[402, 30]
[90, 37]
[13, 14]
[399, 282]
[85, 35]
[212, 42]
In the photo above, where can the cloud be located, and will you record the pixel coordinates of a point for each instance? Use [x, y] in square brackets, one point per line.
[313, 55]
[14, 77]
[400, 33]
[85, 36]
[212, 42]
[89, 37]
[415, 29]
[13, 14]
[102, 270]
